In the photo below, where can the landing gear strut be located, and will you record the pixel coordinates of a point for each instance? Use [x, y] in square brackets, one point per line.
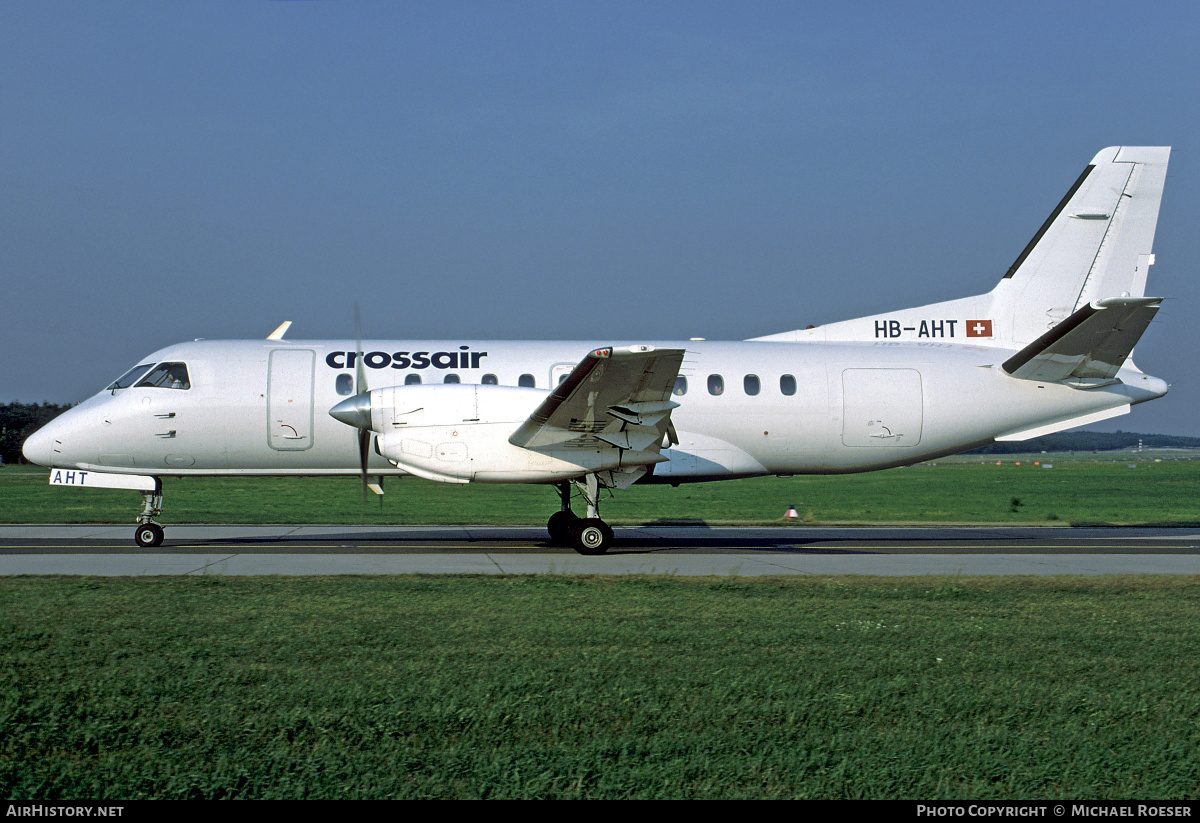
[587, 535]
[149, 533]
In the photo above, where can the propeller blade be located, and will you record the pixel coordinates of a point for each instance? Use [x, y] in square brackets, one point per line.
[364, 441]
[360, 369]
[356, 411]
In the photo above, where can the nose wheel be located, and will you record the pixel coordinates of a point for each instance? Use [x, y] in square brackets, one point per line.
[148, 533]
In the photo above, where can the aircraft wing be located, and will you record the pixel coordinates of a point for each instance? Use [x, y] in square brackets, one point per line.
[1092, 343]
[615, 398]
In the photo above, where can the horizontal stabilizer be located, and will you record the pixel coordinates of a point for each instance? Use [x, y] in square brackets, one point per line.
[1091, 344]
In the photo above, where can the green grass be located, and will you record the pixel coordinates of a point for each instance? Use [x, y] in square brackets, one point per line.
[968, 490]
[539, 687]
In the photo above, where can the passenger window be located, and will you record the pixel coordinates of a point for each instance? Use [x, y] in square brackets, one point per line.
[716, 384]
[167, 376]
[561, 378]
[526, 380]
[451, 378]
[750, 384]
[412, 379]
[344, 384]
[680, 387]
[787, 384]
[128, 378]
[490, 380]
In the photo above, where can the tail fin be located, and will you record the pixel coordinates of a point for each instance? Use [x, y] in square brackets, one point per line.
[1095, 245]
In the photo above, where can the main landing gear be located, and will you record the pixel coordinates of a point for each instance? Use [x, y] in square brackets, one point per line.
[587, 535]
[149, 533]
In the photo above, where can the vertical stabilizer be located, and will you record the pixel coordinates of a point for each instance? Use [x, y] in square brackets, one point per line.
[1095, 245]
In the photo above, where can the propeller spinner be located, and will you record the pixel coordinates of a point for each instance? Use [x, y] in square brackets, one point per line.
[354, 411]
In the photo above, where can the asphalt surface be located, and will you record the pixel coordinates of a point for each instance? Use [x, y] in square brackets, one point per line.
[649, 549]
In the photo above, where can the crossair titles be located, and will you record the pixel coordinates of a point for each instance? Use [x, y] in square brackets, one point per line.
[461, 359]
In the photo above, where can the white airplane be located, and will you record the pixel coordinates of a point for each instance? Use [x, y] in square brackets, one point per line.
[1047, 349]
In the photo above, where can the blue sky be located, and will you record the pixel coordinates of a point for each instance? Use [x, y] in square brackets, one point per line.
[601, 171]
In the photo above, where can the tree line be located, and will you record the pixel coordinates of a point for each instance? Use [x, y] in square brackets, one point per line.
[18, 421]
[1091, 442]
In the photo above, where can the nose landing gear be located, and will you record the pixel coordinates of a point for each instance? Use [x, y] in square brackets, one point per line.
[148, 533]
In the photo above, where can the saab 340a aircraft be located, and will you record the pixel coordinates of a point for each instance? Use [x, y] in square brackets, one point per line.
[1047, 349]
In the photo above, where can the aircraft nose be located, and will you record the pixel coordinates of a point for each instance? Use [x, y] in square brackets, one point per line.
[41, 446]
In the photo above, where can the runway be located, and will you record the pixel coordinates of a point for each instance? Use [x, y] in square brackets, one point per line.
[664, 549]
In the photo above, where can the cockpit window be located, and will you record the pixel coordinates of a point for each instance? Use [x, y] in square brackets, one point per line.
[128, 378]
[167, 376]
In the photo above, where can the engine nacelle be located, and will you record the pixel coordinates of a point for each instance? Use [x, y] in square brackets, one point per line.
[418, 406]
[458, 433]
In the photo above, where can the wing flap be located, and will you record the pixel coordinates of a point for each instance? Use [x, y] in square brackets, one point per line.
[1091, 344]
[615, 398]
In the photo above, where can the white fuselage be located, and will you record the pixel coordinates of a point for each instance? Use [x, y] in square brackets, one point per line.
[261, 407]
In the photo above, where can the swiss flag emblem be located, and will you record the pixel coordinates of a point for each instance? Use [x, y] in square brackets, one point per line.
[979, 328]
